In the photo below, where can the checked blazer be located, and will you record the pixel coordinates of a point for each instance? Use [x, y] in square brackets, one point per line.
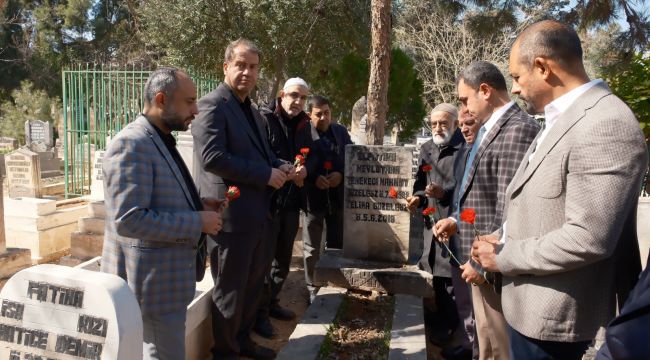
[152, 228]
[571, 244]
[494, 165]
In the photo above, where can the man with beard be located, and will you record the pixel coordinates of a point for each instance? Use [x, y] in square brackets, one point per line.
[232, 150]
[500, 145]
[434, 183]
[155, 217]
[568, 248]
[284, 116]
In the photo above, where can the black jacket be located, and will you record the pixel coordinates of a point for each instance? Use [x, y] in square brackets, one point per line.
[314, 199]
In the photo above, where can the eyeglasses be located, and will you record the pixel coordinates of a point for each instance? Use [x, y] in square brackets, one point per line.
[295, 96]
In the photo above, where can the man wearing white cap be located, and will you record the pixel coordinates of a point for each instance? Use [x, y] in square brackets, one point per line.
[284, 117]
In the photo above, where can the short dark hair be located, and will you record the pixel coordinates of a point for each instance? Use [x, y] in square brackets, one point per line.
[249, 45]
[550, 39]
[163, 79]
[317, 101]
[483, 72]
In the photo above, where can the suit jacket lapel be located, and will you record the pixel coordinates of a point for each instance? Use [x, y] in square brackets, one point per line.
[153, 134]
[489, 137]
[564, 123]
[238, 113]
[262, 125]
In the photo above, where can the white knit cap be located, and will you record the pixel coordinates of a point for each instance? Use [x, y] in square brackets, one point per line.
[295, 81]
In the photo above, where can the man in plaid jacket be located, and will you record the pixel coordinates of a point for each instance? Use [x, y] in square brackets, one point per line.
[500, 146]
[154, 216]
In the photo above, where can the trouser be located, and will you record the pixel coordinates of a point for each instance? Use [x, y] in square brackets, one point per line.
[491, 326]
[239, 263]
[463, 297]
[312, 234]
[163, 336]
[283, 233]
[523, 347]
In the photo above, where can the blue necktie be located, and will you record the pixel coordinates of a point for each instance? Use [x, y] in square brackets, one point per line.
[470, 160]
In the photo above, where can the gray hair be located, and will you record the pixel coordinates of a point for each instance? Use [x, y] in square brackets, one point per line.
[164, 80]
[550, 39]
[247, 44]
[483, 72]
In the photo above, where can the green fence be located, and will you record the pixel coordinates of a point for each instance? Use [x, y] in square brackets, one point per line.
[97, 103]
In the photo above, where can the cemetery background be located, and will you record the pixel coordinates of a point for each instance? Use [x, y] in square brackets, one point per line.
[96, 101]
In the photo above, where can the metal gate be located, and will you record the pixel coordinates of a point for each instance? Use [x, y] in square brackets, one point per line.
[97, 103]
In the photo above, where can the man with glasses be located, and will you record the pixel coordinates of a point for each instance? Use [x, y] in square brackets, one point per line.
[284, 117]
[433, 185]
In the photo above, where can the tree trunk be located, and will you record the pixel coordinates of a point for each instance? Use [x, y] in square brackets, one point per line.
[379, 72]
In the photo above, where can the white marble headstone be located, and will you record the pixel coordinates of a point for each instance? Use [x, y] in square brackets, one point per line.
[97, 181]
[57, 312]
[376, 226]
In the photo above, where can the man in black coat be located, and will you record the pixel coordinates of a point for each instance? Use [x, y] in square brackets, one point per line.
[323, 190]
[232, 149]
[284, 116]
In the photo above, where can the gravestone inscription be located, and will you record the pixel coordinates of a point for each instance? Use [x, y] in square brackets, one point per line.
[23, 173]
[97, 185]
[56, 312]
[376, 225]
[39, 135]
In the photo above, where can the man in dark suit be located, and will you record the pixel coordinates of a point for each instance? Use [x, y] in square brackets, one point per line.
[154, 216]
[232, 149]
[323, 188]
[434, 183]
[501, 143]
[568, 245]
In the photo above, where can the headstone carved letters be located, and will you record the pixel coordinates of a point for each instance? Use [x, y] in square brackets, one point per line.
[57, 312]
[39, 135]
[376, 226]
[23, 173]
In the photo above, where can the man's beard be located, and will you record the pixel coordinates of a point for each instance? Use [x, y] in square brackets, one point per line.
[442, 140]
[174, 121]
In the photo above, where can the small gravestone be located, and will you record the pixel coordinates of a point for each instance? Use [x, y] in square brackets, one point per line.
[97, 185]
[8, 144]
[39, 135]
[359, 118]
[23, 173]
[56, 312]
[376, 226]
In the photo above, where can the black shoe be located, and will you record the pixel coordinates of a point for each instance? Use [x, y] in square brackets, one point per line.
[456, 353]
[263, 327]
[255, 351]
[281, 313]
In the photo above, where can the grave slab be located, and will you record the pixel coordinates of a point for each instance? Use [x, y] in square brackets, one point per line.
[335, 269]
[29, 206]
[97, 209]
[306, 339]
[407, 337]
[69, 313]
[85, 246]
[45, 245]
[44, 222]
[23, 173]
[91, 225]
[13, 260]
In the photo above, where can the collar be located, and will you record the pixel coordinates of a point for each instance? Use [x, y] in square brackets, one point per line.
[557, 107]
[496, 115]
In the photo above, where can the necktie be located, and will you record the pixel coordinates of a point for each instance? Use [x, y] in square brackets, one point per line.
[470, 158]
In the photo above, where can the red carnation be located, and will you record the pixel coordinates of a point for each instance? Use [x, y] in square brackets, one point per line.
[327, 165]
[232, 193]
[468, 215]
[304, 151]
[429, 211]
[427, 167]
[300, 160]
[392, 192]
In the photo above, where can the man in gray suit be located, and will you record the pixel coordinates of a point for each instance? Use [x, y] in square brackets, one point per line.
[568, 244]
[154, 216]
[501, 143]
[232, 149]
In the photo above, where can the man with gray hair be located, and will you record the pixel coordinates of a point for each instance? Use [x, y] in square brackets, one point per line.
[433, 186]
[155, 220]
[232, 150]
[284, 116]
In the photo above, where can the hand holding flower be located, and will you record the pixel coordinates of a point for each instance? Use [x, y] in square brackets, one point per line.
[484, 253]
